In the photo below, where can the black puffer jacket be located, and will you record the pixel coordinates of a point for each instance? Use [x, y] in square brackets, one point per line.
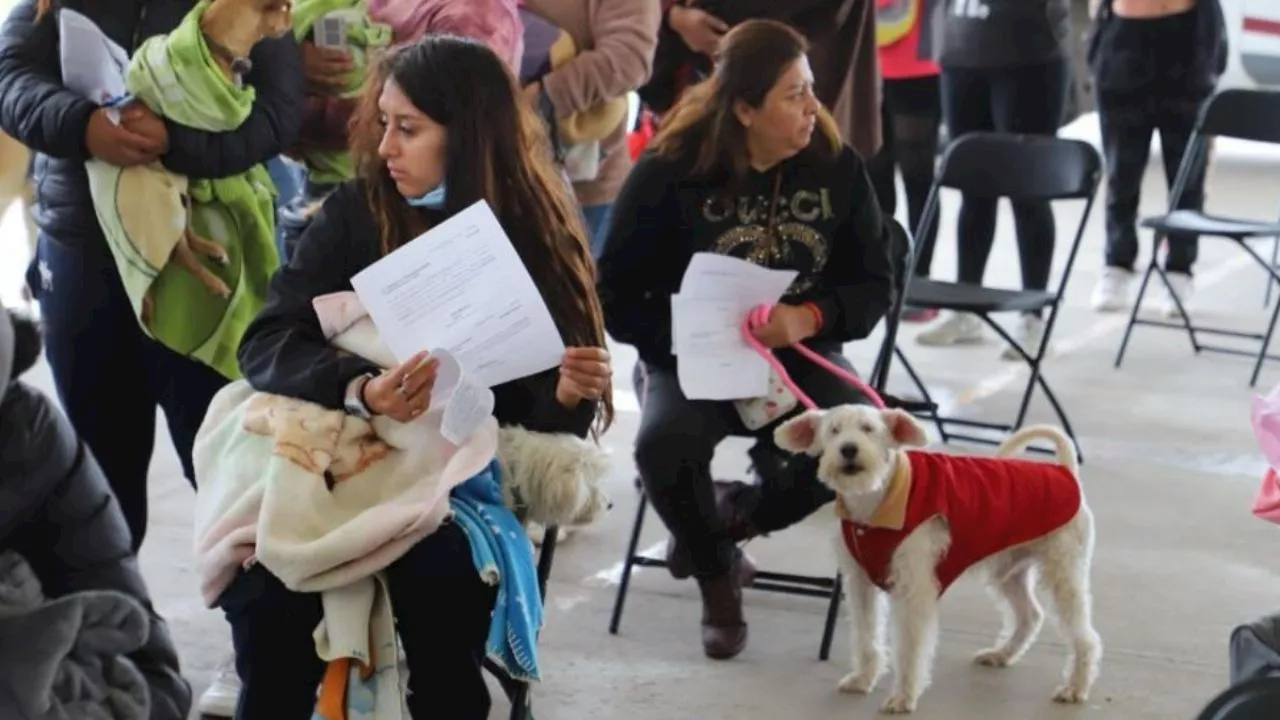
[51, 120]
[57, 511]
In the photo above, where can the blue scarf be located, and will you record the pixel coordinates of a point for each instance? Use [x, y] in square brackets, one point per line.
[503, 555]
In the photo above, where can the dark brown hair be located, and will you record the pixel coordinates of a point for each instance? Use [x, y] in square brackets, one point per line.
[496, 150]
[703, 127]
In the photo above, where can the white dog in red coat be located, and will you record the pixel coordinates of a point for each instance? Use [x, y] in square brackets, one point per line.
[914, 521]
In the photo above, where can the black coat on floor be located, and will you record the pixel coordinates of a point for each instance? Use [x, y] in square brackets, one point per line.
[58, 513]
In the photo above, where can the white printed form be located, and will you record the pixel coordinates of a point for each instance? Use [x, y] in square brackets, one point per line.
[714, 361]
[461, 287]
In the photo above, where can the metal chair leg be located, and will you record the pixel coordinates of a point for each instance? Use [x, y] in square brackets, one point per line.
[1271, 278]
[924, 391]
[628, 563]
[1133, 314]
[520, 703]
[833, 612]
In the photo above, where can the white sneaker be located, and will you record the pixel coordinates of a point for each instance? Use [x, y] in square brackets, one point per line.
[220, 699]
[1029, 334]
[954, 329]
[1112, 291]
[1182, 286]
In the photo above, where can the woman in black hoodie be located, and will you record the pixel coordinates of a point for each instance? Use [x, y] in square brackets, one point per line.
[109, 374]
[747, 164]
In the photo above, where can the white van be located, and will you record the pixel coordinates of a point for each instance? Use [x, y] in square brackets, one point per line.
[1253, 29]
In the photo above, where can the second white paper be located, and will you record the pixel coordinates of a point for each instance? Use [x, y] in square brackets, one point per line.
[466, 403]
[715, 361]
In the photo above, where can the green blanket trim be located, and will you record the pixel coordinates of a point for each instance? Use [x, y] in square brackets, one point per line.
[363, 37]
[238, 212]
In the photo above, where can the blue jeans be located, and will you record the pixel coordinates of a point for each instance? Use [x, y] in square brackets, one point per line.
[288, 180]
[597, 218]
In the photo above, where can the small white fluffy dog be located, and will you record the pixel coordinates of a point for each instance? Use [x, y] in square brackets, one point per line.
[1010, 518]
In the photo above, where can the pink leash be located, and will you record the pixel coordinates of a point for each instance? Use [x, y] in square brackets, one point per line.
[757, 317]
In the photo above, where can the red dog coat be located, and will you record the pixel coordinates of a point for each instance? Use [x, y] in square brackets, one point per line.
[990, 504]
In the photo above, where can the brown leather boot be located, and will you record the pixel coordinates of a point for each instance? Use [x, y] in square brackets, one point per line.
[735, 502]
[724, 631]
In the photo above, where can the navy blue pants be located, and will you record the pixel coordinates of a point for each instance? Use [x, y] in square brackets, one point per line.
[442, 613]
[110, 377]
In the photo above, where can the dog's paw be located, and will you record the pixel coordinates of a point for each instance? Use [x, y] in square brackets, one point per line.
[992, 657]
[859, 682]
[1070, 695]
[898, 704]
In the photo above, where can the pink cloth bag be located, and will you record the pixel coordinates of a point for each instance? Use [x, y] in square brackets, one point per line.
[1266, 428]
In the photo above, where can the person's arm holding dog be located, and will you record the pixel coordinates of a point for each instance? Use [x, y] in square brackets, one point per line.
[624, 34]
[858, 276]
[42, 114]
[271, 127]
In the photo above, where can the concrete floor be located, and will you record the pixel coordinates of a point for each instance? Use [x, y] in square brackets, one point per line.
[1171, 467]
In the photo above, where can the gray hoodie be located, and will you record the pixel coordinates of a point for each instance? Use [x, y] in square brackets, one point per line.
[1003, 33]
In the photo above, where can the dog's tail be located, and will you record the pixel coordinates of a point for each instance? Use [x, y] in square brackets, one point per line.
[1063, 447]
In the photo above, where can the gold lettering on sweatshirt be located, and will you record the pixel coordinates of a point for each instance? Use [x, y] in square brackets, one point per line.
[793, 243]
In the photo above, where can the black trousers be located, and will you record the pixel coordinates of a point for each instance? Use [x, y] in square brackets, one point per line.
[110, 376]
[1145, 84]
[910, 117]
[1026, 100]
[441, 608]
[675, 445]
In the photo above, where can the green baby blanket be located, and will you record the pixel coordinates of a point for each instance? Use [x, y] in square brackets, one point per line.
[142, 212]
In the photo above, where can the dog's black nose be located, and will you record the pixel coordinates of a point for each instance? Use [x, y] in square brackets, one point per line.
[849, 451]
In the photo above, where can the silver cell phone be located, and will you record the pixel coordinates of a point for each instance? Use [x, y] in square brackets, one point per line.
[331, 32]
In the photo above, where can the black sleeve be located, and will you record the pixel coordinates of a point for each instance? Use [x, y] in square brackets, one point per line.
[531, 403]
[859, 275]
[644, 216]
[284, 350]
[272, 125]
[34, 106]
[76, 538]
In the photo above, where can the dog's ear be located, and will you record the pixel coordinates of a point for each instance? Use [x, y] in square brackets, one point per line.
[903, 427]
[799, 434]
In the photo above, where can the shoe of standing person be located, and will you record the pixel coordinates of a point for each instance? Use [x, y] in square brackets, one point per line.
[954, 328]
[219, 700]
[1112, 293]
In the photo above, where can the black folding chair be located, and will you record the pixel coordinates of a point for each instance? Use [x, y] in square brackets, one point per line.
[783, 583]
[1254, 699]
[517, 691]
[1017, 167]
[1243, 115]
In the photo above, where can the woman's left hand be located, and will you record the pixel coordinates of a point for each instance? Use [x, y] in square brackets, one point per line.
[585, 374]
[788, 325]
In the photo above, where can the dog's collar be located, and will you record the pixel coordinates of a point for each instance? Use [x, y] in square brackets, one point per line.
[240, 64]
[892, 512]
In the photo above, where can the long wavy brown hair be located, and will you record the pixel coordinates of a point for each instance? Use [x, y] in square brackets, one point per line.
[497, 150]
[702, 125]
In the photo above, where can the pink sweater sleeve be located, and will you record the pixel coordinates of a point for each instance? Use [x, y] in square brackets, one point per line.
[624, 34]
